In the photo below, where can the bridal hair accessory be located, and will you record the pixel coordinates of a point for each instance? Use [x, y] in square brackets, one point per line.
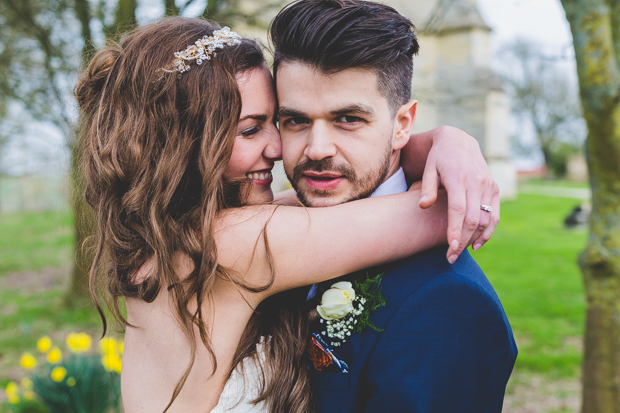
[202, 50]
[487, 208]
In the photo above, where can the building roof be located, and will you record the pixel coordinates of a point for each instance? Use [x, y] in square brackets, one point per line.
[454, 15]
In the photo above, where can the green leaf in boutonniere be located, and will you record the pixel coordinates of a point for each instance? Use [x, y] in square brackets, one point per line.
[370, 290]
[346, 309]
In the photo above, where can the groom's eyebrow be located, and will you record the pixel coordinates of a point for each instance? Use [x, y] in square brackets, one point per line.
[285, 112]
[356, 108]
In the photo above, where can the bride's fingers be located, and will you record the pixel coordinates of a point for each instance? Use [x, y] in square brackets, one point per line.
[493, 218]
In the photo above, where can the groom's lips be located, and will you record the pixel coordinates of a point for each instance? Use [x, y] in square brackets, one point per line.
[323, 181]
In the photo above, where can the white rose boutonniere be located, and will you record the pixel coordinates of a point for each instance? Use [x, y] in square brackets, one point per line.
[337, 302]
[345, 309]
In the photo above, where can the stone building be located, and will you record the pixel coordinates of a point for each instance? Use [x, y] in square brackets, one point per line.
[453, 81]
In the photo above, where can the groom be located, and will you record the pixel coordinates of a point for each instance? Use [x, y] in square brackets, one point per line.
[442, 342]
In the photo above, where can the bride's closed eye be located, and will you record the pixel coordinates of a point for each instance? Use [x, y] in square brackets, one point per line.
[250, 131]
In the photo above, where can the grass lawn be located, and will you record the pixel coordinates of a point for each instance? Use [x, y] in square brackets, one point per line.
[531, 262]
[35, 258]
[35, 240]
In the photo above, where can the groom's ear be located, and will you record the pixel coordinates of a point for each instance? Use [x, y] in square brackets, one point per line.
[404, 121]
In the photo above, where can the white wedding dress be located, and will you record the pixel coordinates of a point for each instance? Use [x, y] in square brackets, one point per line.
[242, 387]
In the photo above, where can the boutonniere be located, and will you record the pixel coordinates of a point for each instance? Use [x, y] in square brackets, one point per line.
[345, 308]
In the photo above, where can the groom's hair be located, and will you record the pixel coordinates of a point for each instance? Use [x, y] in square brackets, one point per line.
[336, 35]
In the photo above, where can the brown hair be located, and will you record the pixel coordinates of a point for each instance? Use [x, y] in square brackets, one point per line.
[336, 35]
[155, 147]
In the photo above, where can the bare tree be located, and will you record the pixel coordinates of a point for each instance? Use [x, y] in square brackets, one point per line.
[43, 44]
[543, 98]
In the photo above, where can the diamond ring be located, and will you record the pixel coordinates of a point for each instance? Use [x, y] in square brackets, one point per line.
[487, 208]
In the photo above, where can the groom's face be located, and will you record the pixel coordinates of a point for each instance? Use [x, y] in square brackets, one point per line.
[337, 133]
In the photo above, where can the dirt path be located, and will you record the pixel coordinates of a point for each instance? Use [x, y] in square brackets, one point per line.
[531, 393]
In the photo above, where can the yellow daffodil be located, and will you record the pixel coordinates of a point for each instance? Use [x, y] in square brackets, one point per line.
[11, 388]
[121, 347]
[58, 373]
[71, 381]
[44, 344]
[29, 395]
[28, 361]
[79, 342]
[108, 345]
[111, 362]
[54, 356]
[26, 383]
[13, 398]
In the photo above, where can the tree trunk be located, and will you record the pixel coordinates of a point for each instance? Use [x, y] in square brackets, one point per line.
[171, 8]
[84, 226]
[124, 19]
[599, 83]
[84, 220]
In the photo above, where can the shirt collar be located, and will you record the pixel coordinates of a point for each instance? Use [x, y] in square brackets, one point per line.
[395, 184]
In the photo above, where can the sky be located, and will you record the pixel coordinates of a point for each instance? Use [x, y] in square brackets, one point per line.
[542, 21]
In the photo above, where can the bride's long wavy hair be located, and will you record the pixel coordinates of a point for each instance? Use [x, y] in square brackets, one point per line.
[154, 150]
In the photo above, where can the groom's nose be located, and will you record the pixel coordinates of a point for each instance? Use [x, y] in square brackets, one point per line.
[320, 142]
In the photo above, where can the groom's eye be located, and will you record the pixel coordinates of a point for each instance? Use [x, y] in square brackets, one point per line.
[348, 119]
[296, 121]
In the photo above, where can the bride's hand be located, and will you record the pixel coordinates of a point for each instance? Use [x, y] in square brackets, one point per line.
[454, 161]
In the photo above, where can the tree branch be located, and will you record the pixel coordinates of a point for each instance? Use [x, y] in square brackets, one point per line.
[83, 14]
[172, 9]
[615, 28]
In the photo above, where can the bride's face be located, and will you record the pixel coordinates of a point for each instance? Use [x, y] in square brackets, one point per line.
[257, 143]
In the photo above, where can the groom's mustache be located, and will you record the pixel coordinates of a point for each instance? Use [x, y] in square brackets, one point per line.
[323, 165]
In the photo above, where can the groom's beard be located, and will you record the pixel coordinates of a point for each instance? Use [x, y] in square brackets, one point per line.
[361, 186]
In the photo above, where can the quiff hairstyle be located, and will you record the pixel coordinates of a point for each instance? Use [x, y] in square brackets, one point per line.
[336, 35]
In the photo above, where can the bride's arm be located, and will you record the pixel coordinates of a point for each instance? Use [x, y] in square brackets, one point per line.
[310, 245]
[448, 157]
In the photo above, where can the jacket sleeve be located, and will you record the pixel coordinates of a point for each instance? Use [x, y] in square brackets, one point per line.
[448, 348]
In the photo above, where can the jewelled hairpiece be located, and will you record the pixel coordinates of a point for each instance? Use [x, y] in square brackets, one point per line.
[202, 50]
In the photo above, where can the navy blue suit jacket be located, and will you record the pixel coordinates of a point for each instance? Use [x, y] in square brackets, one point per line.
[446, 344]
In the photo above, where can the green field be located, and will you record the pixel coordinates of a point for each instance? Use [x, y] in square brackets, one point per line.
[531, 261]
[33, 241]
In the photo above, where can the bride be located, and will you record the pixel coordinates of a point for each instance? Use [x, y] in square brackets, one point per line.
[179, 143]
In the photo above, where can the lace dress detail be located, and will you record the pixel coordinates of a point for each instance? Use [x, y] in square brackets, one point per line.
[243, 386]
